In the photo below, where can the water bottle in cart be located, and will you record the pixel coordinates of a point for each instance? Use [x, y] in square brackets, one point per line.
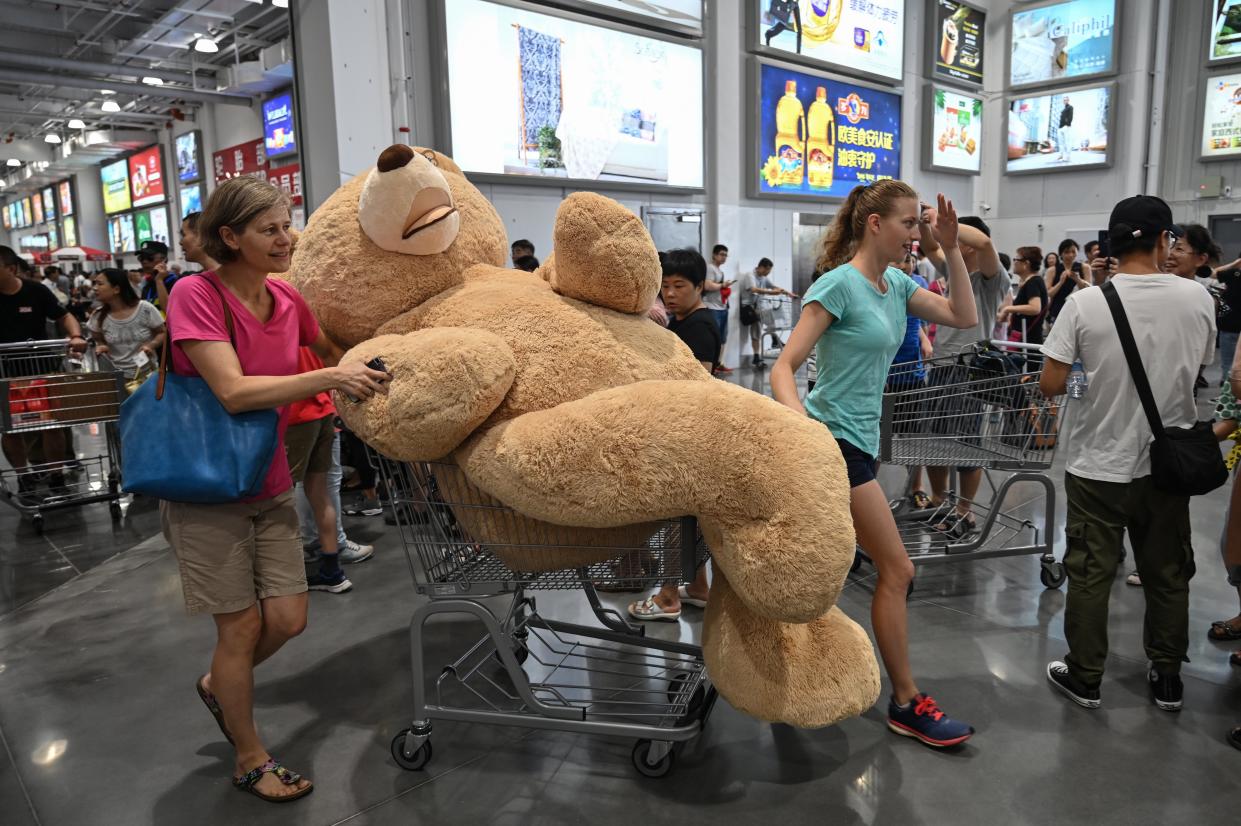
[1077, 381]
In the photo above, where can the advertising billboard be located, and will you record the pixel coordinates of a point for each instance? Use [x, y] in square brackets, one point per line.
[953, 143]
[1224, 36]
[567, 100]
[191, 199]
[36, 208]
[278, 134]
[188, 148]
[70, 227]
[819, 136]
[1063, 41]
[1221, 118]
[114, 180]
[1060, 130]
[957, 41]
[64, 190]
[146, 177]
[49, 204]
[865, 38]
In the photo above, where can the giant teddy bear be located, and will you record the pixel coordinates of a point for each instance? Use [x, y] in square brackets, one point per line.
[558, 398]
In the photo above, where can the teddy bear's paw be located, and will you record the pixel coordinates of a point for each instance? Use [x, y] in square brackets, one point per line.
[809, 675]
[445, 383]
[603, 255]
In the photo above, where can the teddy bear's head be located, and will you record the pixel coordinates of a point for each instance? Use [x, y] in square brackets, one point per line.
[392, 238]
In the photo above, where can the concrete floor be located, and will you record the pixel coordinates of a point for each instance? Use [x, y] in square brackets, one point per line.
[99, 723]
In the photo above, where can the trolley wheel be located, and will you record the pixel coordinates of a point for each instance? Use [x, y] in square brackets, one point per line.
[416, 763]
[114, 508]
[857, 562]
[640, 751]
[1052, 574]
[36, 522]
[694, 707]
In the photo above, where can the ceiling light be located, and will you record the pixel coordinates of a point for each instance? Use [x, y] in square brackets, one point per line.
[110, 106]
[106, 92]
[13, 162]
[206, 45]
[280, 4]
[153, 81]
[51, 137]
[77, 123]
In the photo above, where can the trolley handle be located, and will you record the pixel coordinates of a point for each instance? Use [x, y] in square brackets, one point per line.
[1017, 345]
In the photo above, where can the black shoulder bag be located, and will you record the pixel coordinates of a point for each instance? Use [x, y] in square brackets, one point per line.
[1184, 460]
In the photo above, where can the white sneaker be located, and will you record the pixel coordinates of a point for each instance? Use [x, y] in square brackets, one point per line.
[353, 552]
[1134, 579]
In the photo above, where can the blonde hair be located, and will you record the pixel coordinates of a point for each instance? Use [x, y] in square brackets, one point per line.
[840, 242]
[234, 204]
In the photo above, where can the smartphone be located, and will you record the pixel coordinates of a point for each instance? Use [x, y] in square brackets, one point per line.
[375, 364]
[1105, 245]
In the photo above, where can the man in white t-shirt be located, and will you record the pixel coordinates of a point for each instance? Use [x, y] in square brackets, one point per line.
[714, 299]
[1108, 476]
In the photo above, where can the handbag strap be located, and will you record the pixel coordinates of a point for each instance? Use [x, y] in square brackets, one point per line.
[163, 351]
[1133, 357]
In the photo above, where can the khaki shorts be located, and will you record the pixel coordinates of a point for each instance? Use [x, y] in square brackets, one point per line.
[309, 447]
[235, 554]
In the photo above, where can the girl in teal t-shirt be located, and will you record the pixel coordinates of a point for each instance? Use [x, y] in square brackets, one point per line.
[854, 318]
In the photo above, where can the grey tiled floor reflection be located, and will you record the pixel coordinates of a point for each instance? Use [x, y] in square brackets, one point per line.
[100, 724]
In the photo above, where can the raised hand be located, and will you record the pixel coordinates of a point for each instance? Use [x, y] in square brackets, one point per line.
[944, 222]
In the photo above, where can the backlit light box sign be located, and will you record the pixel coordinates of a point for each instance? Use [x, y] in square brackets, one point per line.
[818, 136]
[278, 137]
[1070, 40]
[865, 37]
[543, 97]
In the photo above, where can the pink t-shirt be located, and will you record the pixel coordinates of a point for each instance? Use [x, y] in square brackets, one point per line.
[195, 314]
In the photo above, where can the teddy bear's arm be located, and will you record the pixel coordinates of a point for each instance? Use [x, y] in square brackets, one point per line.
[446, 381]
[771, 496]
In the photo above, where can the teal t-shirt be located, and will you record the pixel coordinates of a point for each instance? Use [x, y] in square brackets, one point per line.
[856, 351]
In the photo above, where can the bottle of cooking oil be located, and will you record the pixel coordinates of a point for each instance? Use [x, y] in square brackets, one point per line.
[819, 18]
[820, 142]
[791, 135]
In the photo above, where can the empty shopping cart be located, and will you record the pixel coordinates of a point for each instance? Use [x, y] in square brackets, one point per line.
[527, 669]
[980, 409]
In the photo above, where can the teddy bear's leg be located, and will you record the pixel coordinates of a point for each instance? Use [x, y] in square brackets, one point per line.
[445, 383]
[769, 490]
[807, 675]
[602, 255]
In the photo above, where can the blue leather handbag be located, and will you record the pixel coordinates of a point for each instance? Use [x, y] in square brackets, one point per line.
[179, 443]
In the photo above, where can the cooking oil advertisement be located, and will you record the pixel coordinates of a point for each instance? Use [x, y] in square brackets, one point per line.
[856, 35]
[821, 137]
[958, 130]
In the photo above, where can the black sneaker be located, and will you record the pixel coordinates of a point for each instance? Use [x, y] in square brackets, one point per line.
[338, 584]
[364, 507]
[1167, 690]
[1059, 676]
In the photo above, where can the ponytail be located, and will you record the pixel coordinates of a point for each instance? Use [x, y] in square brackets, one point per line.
[842, 238]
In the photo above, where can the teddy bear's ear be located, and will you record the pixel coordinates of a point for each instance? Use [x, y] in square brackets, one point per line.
[406, 204]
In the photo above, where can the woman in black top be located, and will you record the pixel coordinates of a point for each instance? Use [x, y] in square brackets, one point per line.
[1067, 277]
[696, 325]
[1025, 315]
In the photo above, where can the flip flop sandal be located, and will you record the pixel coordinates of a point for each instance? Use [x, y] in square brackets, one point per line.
[648, 610]
[1234, 738]
[1223, 632]
[688, 600]
[920, 500]
[213, 706]
[247, 782]
[957, 527]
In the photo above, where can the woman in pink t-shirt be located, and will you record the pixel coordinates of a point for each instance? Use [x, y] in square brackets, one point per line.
[242, 561]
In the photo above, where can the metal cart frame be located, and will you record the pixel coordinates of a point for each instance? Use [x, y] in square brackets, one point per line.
[42, 388]
[777, 316]
[528, 670]
[979, 409]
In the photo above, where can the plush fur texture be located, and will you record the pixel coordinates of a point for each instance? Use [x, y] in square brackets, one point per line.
[808, 675]
[565, 418]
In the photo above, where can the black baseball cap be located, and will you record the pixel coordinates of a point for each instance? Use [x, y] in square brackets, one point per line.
[1142, 216]
[150, 249]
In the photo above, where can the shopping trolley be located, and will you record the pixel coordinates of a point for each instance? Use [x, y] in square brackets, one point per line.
[777, 316]
[43, 388]
[526, 669]
[979, 409]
